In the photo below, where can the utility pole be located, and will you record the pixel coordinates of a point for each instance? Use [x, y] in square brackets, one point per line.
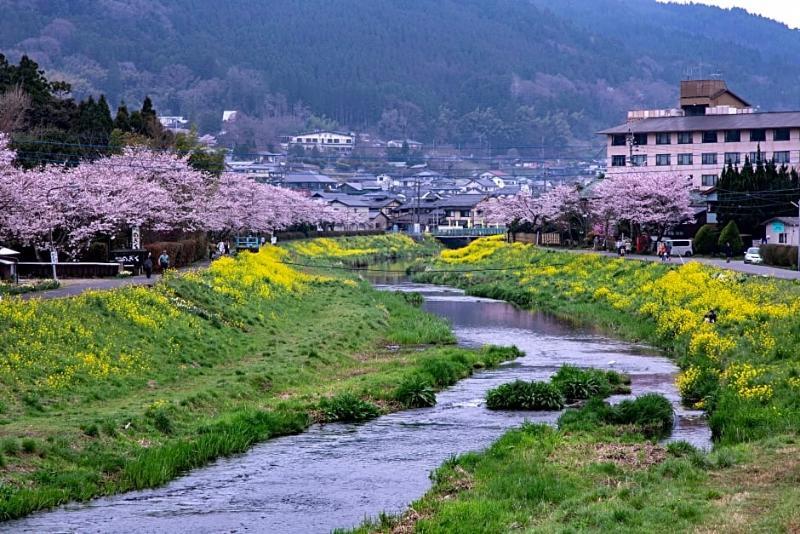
[797, 205]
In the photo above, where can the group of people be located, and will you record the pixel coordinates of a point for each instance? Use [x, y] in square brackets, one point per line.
[664, 251]
[163, 263]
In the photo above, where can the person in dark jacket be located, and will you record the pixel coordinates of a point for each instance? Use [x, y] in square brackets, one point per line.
[728, 252]
[148, 265]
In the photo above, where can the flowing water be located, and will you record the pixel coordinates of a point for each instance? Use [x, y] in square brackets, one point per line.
[333, 476]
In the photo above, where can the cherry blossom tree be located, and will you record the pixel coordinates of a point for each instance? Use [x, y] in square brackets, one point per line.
[654, 200]
[519, 209]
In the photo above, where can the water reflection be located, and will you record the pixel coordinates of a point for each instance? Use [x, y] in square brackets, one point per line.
[335, 475]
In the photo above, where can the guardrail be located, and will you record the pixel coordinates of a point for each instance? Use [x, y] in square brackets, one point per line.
[467, 232]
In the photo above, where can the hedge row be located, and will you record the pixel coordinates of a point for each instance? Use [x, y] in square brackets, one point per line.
[779, 255]
[181, 253]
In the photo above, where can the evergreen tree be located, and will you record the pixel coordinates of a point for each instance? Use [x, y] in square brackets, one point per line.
[122, 121]
[730, 234]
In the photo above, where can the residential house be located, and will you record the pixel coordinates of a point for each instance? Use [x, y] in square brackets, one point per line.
[461, 211]
[175, 124]
[309, 182]
[324, 141]
[479, 185]
[500, 178]
[782, 230]
[711, 128]
[414, 146]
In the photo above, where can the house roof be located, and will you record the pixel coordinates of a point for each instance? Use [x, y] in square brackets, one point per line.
[318, 132]
[460, 201]
[741, 121]
[303, 178]
[791, 221]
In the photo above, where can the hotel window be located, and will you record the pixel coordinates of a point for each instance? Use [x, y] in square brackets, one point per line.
[756, 157]
[781, 157]
[733, 136]
[709, 180]
[710, 158]
[639, 160]
[733, 158]
[685, 138]
[662, 159]
[619, 140]
[617, 161]
[663, 138]
[780, 134]
[684, 159]
[710, 137]
[640, 139]
[759, 134]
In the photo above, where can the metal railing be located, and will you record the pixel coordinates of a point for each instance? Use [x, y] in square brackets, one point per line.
[467, 232]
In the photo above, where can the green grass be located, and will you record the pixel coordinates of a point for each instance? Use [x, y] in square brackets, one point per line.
[538, 479]
[221, 374]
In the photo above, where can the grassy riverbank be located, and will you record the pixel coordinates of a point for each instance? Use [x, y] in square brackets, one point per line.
[743, 370]
[125, 389]
[538, 479]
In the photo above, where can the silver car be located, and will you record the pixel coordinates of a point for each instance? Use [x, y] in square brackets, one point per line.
[753, 255]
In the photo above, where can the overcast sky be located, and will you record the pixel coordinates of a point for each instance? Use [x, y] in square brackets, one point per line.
[786, 11]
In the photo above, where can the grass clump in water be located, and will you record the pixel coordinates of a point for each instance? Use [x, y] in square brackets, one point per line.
[347, 408]
[650, 414]
[521, 395]
[581, 384]
[416, 391]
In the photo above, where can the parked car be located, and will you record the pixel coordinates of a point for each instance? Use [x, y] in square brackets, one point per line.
[753, 255]
[680, 247]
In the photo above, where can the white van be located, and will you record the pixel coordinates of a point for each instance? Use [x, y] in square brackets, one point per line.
[680, 247]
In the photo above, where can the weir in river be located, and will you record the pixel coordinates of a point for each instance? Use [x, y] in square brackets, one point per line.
[333, 476]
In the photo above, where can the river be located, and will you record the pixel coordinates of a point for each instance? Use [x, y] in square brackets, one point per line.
[333, 476]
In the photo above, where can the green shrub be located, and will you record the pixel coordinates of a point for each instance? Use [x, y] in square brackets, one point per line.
[594, 413]
[162, 422]
[730, 234]
[445, 372]
[416, 391]
[521, 395]
[29, 445]
[703, 388]
[347, 408]
[91, 430]
[651, 412]
[581, 384]
[10, 446]
[706, 239]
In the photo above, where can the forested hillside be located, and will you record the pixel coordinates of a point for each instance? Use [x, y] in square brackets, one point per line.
[498, 72]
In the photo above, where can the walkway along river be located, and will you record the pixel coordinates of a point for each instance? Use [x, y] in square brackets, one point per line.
[333, 476]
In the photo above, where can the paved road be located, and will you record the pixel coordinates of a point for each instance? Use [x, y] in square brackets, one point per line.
[734, 265]
[72, 287]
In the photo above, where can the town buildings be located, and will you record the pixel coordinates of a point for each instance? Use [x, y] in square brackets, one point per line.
[324, 141]
[711, 127]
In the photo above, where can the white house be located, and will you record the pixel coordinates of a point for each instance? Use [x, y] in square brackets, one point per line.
[324, 141]
[414, 146]
[782, 231]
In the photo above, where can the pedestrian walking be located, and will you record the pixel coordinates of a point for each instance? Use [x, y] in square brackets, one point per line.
[163, 261]
[148, 265]
[221, 248]
[227, 248]
[728, 252]
[273, 240]
[668, 251]
[711, 316]
[661, 251]
[211, 249]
